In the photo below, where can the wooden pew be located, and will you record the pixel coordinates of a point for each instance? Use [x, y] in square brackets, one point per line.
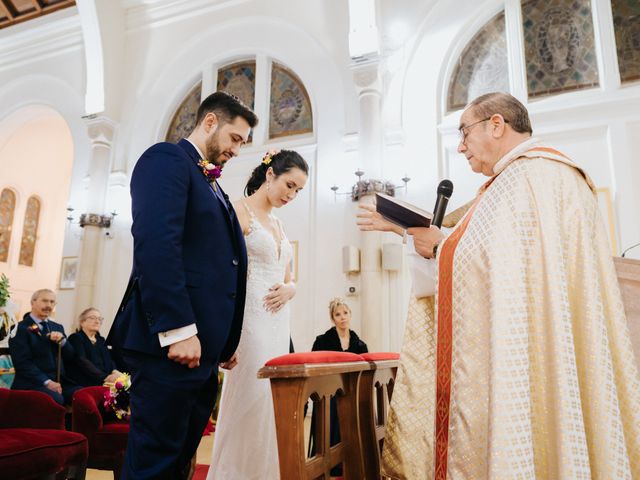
[376, 388]
[296, 377]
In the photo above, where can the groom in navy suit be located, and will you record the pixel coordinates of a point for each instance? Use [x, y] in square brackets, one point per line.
[182, 310]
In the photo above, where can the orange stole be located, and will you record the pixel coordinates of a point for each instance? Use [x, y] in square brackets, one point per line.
[445, 339]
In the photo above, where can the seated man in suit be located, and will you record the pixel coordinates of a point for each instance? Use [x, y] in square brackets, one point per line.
[34, 351]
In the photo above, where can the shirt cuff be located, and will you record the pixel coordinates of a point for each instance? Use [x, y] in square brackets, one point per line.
[177, 335]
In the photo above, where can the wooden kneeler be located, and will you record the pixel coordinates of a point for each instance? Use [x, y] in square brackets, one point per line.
[376, 388]
[296, 377]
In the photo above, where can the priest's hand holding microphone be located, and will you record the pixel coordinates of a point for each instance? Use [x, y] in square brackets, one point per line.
[426, 240]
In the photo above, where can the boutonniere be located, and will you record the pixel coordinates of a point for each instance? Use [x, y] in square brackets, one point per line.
[35, 329]
[211, 171]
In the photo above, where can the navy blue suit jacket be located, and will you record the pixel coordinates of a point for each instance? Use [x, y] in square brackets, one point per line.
[189, 261]
[34, 356]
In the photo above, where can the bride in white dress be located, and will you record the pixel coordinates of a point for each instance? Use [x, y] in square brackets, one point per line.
[245, 446]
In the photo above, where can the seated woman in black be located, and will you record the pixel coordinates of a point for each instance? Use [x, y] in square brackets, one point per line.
[339, 338]
[92, 364]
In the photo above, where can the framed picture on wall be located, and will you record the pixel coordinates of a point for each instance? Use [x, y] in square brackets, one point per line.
[294, 261]
[68, 273]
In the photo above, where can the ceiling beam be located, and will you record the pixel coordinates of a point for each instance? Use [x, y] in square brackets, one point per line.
[9, 9]
[36, 5]
[38, 10]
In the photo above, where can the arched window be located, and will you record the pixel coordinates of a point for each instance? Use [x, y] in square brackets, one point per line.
[559, 46]
[290, 108]
[239, 79]
[30, 232]
[289, 104]
[184, 120]
[482, 67]
[7, 210]
[626, 21]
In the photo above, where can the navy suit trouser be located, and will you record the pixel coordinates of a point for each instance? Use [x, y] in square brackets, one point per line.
[168, 416]
[61, 399]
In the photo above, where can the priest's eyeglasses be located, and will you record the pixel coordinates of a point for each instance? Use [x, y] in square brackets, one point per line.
[464, 131]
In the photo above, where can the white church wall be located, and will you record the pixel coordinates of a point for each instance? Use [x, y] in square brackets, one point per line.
[160, 62]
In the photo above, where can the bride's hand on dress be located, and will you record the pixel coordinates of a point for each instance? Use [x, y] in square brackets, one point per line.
[229, 364]
[278, 296]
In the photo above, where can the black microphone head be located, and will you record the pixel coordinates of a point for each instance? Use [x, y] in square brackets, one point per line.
[445, 188]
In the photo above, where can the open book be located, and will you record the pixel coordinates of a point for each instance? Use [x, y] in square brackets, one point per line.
[401, 213]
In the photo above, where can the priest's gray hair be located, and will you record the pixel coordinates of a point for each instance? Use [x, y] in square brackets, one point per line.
[511, 109]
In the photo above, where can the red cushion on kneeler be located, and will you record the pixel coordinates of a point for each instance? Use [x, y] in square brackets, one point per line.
[110, 441]
[28, 452]
[373, 356]
[320, 356]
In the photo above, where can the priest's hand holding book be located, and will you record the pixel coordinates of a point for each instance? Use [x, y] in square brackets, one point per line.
[406, 219]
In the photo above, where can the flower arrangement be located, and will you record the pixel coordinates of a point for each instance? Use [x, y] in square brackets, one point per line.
[211, 171]
[4, 290]
[117, 397]
[268, 157]
[8, 321]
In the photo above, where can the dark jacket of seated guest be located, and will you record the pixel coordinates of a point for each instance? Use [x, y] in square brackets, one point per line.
[330, 340]
[34, 355]
[92, 363]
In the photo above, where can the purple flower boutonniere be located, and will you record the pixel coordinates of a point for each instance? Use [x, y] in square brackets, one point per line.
[211, 172]
[34, 329]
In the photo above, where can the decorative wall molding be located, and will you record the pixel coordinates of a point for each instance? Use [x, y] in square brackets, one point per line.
[151, 15]
[52, 35]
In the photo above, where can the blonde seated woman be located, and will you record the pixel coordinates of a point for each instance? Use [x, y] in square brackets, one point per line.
[92, 364]
[339, 338]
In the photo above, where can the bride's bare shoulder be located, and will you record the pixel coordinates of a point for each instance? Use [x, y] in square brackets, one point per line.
[243, 215]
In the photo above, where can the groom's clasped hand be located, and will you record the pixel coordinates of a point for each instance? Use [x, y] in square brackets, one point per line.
[186, 352]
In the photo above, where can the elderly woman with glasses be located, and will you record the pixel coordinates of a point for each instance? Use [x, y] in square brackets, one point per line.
[92, 364]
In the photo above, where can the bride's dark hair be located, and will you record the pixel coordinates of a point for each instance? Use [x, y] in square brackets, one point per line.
[281, 162]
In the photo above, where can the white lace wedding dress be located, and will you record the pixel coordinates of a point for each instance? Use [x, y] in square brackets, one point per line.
[245, 446]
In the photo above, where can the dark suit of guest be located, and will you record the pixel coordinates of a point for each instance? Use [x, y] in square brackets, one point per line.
[189, 266]
[92, 362]
[330, 340]
[35, 358]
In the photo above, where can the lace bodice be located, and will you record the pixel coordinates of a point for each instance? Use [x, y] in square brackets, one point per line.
[267, 261]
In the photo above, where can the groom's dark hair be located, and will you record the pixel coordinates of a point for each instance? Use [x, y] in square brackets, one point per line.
[226, 107]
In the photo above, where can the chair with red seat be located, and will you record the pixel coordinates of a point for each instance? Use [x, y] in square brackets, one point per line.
[33, 441]
[375, 390]
[296, 377]
[107, 435]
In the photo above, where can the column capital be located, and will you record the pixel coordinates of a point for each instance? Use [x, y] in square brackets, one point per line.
[101, 129]
[367, 77]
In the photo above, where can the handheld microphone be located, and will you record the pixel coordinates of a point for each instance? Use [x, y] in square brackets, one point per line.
[445, 189]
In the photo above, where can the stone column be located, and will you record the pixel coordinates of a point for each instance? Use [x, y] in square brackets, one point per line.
[101, 130]
[374, 316]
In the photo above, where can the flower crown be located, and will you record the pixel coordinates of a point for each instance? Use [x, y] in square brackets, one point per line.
[269, 156]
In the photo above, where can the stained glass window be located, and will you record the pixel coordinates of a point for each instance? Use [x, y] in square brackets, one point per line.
[7, 209]
[626, 21]
[184, 120]
[290, 108]
[482, 67]
[29, 232]
[239, 79]
[559, 46]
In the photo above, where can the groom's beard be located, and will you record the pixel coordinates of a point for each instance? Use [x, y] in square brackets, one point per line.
[213, 151]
